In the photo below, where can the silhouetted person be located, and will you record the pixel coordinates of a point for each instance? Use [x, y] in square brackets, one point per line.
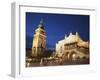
[43, 62]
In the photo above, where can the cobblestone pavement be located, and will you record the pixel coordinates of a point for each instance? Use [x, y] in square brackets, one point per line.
[59, 63]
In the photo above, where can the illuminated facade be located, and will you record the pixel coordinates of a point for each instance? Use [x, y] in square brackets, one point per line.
[39, 40]
[72, 47]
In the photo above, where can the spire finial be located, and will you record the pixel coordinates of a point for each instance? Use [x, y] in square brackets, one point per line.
[76, 33]
[70, 33]
[65, 36]
[41, 25]
[41, 21]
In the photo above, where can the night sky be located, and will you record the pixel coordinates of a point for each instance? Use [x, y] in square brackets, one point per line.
[56, 26]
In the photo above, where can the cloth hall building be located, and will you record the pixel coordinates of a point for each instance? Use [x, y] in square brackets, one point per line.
[72, 47]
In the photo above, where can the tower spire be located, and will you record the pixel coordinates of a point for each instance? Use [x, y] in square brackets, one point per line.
[41, 21]
[41, 25]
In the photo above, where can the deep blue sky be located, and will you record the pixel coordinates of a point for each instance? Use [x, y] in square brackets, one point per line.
[56, 26]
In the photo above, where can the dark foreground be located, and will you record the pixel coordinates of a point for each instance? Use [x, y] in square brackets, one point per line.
[57, 63]
[53, 61]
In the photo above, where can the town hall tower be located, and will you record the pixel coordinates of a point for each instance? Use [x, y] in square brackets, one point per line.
[39, 40]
